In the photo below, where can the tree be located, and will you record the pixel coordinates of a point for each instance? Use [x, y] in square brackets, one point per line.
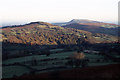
[79, 59]
[58, 42]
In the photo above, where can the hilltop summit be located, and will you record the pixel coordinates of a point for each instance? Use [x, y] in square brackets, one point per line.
[82, 21]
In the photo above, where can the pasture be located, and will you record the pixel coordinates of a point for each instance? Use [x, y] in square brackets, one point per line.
[24, 65]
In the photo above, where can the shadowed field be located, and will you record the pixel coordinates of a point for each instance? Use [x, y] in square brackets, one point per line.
[99, 72]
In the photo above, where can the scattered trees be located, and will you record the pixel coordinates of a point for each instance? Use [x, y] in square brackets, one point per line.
[78, 60]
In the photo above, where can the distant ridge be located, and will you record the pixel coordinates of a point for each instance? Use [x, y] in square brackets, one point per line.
[39, 23]
[84, 22]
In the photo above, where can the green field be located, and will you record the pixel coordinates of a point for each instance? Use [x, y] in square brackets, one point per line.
[43, 62]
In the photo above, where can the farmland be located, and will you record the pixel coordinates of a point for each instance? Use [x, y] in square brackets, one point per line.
[24, 65]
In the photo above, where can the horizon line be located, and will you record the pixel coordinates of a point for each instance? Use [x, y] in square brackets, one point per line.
[27, 22]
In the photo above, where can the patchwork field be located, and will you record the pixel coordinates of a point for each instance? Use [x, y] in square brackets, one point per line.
[24, 65]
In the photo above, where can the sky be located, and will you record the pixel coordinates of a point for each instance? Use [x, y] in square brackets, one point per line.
[58, 10]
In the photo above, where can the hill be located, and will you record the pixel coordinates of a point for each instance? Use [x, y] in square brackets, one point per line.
[43, 33]
[91, 26]
[94, 28]
[82, 21]
[87, 22]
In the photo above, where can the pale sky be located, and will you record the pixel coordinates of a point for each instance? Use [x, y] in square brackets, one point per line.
[58, 10]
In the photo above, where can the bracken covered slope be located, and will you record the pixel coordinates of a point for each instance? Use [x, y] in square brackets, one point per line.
[43, 33]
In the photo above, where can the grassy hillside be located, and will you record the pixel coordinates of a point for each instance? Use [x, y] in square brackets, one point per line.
[103, 28]
[91, 26]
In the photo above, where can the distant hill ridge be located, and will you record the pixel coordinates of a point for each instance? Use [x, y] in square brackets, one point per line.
[91, 26]
[82, 21]
[38, 23]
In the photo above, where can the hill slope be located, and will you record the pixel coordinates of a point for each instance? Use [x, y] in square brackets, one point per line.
[87, 22]
[91, 26]
[42, 33]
